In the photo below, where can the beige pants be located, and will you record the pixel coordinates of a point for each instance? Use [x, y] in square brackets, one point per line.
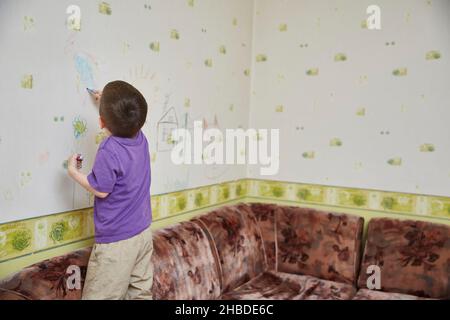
[121, 270]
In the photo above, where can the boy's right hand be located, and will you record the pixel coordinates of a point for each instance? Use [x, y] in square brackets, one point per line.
[97, 95]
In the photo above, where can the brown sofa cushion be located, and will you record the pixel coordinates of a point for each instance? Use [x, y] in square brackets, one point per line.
[366, 294]
[320, 244]
[266, 216]
[284, 286]
[11, 295]
[47, 280]
[236, 236]
[414, 257]
[184, 265]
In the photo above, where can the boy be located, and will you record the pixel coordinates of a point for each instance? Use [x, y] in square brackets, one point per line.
[120, 263]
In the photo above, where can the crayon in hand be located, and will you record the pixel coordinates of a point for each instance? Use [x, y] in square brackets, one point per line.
[96, 94]
[79, 161]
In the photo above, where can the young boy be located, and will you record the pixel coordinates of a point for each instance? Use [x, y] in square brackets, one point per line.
[120, 263]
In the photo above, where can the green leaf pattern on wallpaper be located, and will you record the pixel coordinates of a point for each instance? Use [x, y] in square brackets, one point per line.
[332, 60]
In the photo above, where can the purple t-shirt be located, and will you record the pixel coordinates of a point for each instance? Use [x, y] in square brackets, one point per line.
[122, 169]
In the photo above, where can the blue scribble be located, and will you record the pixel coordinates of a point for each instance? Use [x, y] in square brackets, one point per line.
[84, 69]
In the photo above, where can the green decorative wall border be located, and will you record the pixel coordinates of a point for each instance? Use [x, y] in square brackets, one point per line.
[25, 237]
[362, 199]
[25, 242]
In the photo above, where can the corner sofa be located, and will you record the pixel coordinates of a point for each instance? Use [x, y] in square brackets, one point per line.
[265, 251]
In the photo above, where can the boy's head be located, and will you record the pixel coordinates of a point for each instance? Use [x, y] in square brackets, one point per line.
[123, 109]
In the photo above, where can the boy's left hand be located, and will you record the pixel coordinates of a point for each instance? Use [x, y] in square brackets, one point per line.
[72, 163]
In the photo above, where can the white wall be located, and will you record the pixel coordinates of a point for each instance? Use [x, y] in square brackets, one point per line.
[402, 113]
[36, 124]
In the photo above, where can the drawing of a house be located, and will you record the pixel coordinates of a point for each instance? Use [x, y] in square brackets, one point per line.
[165, 126]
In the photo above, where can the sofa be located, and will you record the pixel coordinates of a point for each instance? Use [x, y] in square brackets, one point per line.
[271, 252]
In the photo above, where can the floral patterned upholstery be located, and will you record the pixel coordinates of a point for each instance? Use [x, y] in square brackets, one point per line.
[265, 251]
[47, 280]
[184, 265]
[321, 244]
[284, 286]
[266, 215]
[366, 294]
[11, 295]
[236, 236]
[414, 257]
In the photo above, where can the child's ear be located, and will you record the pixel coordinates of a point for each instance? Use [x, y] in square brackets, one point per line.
[101, 123]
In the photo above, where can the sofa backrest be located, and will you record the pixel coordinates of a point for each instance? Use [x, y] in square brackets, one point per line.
[236, 237]
[48, 279]
[184, 265]
[413, 256]
[266, 215]
[316, 243]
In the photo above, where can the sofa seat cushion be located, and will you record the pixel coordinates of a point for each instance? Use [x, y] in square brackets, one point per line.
[413, 257]
[236, 237]
[320, 244]
[11, 295]
[47, 280]
[283, 286]
[184, 265]
[366, 294]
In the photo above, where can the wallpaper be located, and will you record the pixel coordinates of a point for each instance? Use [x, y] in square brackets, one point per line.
[355, 107]
[190, 58]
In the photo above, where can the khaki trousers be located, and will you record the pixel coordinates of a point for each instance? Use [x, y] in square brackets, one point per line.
[121, 270]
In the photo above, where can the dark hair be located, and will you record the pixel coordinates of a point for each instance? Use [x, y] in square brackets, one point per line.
[123, 109]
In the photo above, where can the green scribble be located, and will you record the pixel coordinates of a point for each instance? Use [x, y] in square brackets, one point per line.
[388, 203]
[79, 127]
[27, 81]
[154, 46]
[427, 147]
[199, 199]
[234, 22]
[279, 109]
[359, 200]
[187, 102]
[99, 137]
[21, 239]
[191, 3]
[303, 194]
[223, 50]
[247, 72]
[58, 230]
[104, 8]
[261, 58]
[433, 55]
